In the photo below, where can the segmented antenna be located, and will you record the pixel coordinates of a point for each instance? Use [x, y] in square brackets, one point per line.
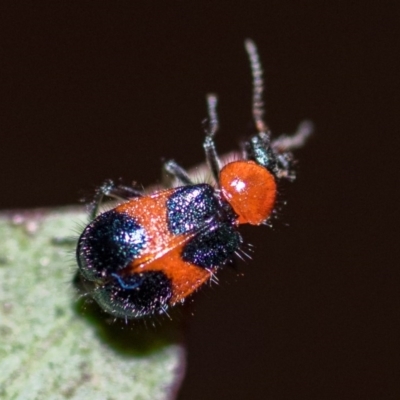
[258, 86]
[213, 123]
[286, 143]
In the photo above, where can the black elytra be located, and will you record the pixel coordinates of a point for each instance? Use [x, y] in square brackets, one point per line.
[190, 207]
[194, 207]
[136, 295]
[212, 248]
[113, 240]
[108, 244]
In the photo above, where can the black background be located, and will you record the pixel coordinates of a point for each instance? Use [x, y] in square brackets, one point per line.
[95, 90]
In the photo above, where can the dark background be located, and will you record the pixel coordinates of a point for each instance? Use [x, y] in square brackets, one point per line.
[95, 90]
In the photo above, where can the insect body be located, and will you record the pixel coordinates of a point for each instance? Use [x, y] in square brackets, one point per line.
[152, 251]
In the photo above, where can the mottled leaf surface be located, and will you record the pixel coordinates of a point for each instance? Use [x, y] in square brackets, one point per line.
[56, 345]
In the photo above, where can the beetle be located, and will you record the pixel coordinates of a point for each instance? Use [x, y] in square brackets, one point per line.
[152, 251]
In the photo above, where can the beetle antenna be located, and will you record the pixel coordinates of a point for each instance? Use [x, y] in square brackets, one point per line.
[258, 86]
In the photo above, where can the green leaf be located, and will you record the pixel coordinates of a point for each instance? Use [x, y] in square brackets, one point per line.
[55, 345]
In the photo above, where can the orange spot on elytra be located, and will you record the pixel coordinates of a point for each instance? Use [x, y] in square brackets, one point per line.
[163, 249]
[185, 277]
